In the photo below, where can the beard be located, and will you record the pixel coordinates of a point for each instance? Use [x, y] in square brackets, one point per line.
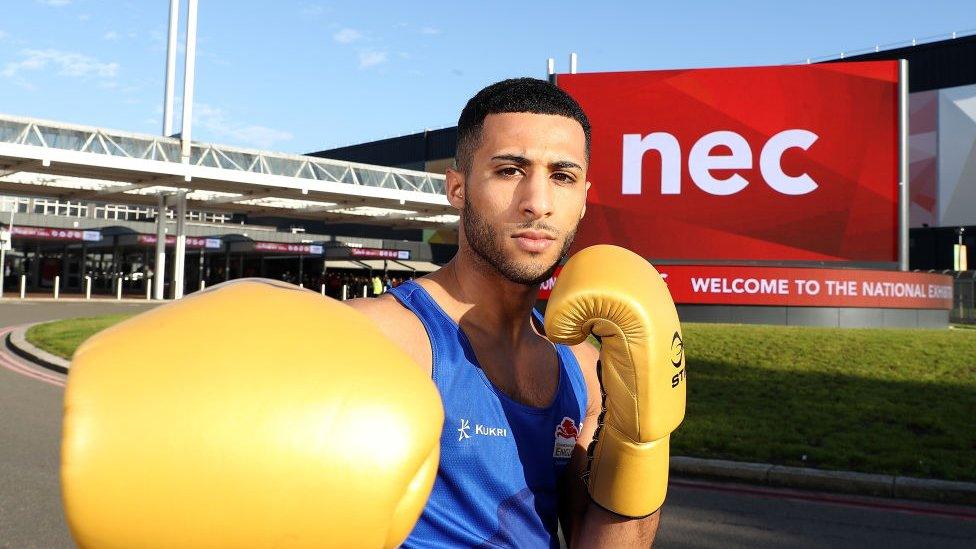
[483, 239]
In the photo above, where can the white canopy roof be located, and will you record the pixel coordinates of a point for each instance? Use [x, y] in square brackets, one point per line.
[419, 266]
[72, 162]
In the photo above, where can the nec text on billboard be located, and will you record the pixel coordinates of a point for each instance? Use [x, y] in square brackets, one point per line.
[793, 163]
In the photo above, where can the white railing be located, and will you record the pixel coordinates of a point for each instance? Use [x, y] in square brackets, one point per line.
[890, 46]
[56, 135]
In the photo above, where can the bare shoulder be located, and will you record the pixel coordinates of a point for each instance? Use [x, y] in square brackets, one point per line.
[398, 324]
[379, 309]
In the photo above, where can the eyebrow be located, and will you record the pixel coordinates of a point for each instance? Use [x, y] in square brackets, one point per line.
[523, 161]
[565, 165]
[513, 158]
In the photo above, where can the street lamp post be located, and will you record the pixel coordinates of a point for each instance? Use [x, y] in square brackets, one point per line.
[6, 242]
[959, 251]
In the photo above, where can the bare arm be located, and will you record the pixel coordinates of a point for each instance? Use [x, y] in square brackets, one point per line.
[585, 523]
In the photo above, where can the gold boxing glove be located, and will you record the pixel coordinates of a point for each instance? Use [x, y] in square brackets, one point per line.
[619, 297]
[252, 414]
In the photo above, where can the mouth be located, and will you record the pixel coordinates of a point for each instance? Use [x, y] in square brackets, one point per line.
[534, 241]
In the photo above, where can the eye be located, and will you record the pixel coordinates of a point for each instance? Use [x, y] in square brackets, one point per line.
[509, 171]
[564, 177]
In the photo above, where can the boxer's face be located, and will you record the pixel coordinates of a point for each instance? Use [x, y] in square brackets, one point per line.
[523, 194]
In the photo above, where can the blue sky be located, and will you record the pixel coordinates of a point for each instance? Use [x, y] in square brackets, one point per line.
[305, 75]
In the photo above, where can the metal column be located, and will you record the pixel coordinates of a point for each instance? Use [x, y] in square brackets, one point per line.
[202, 265]
[174, 22]
[83, 266]
[903, 196]
[116, 264]
[65, 266]
[3, 268]
[301, 269]
[145, 271]
[159, 277]
[179, 251]
[189, 65]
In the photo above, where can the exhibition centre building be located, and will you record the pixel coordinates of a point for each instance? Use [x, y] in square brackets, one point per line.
[80, 212]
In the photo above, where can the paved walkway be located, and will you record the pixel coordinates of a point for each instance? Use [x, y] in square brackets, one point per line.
[697, 514]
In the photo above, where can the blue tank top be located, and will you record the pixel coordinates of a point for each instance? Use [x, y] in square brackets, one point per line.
[501, 461]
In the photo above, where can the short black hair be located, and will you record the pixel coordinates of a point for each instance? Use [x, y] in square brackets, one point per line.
[513, 95]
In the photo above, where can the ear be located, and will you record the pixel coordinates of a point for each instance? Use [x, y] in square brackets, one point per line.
[586, 196]
[454, 186]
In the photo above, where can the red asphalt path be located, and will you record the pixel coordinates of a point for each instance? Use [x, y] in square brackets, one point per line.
[16, 364]
[905, 506]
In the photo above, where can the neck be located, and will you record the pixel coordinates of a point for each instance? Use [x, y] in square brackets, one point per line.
[484, 300]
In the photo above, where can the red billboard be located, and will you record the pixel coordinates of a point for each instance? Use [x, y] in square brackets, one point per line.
[780, 286]
[789, 163]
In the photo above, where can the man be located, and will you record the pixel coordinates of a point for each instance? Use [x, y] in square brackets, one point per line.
[520, 186]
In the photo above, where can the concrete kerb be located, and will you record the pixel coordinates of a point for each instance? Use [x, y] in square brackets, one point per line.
[18, 344]
[62, 299]
[846, 482]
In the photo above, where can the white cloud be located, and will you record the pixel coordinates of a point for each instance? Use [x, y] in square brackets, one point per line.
[347, 36]
[55, 3]
[68, 64]
[3, 35]
[430, 31]
[313, 9]
[215, 121]
[110, 35]
[371, 58]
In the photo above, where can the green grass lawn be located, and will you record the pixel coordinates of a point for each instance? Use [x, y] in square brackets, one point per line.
[879, 401]
[62, 337]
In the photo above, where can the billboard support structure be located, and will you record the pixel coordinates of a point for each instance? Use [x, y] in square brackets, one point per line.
[189, 71]
[903, 196]
[174, 22]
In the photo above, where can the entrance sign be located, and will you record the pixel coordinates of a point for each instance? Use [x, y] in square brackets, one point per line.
[781, 286]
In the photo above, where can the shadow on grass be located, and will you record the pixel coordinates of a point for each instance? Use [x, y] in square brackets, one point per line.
[837, 421]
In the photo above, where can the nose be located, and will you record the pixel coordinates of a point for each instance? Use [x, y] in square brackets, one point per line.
[536, 195]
